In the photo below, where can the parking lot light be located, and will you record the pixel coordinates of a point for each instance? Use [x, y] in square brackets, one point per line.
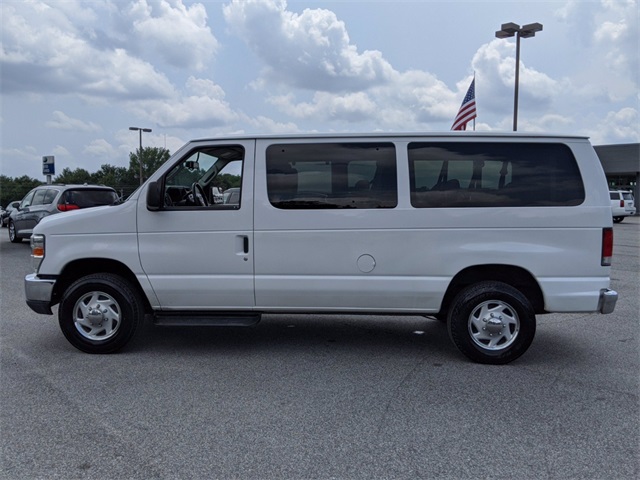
[526, 31]
[140, 129]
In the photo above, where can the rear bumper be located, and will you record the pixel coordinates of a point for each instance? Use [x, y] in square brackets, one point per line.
[607, 302]
[38, 293]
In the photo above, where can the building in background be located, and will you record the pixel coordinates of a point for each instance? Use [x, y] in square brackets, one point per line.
[621, 164]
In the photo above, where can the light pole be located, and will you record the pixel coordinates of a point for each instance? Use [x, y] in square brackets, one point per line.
[526, 31]
[140, 129]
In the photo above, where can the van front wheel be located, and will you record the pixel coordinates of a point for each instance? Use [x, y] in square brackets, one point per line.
[491, 322]
[100, 313]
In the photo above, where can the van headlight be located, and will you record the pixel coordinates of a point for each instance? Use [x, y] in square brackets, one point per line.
[37, 250]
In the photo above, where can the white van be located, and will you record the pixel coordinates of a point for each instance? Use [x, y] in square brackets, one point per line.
[482, 231]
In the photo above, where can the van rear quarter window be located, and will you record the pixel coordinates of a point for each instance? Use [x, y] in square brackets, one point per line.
[332, 175]
[491, 174]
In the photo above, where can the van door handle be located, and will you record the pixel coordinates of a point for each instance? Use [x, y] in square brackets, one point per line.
[241, 245]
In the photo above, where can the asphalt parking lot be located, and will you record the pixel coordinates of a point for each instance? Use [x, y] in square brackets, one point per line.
[305, 397]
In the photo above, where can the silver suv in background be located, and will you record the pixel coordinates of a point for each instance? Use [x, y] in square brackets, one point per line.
[622, 204]
[48, 200]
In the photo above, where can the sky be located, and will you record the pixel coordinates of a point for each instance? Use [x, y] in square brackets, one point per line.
[75, 75]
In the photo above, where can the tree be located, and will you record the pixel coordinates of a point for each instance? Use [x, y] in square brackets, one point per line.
[152, 158]
[110, 175]
[124, 180]
[15, 188]
[226, 181]
[77, 176]
[119, 178]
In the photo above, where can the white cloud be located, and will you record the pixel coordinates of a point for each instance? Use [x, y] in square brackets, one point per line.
[494, 64]
[419, 97]
[179, 34]
[310, 50]
[60, 151]
[203, 106]
[412, 100]
[100, 148]
[268, 125]
[609, 30]
[544, 123]
[43, 51]
[69, 48]
[62, 121]
[18, 156]
[326, 106]
[619, 126]
[28, 160]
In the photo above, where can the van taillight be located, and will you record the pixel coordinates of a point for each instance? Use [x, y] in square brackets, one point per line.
[621, 203]
[607, 247]
[65, 207]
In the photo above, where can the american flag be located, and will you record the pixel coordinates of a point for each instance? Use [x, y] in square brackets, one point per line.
[467, 110]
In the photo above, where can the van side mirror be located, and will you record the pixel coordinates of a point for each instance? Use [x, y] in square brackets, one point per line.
[154, 196]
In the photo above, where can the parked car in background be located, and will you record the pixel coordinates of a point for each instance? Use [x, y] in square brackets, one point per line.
[231, 196]
[48, 200]
[4, 216]
[622, 204]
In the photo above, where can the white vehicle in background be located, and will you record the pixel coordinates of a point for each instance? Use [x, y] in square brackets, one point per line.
[482, 231]
[622, 204]
[216, 195]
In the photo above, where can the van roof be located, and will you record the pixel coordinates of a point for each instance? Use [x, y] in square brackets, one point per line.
[448, 134]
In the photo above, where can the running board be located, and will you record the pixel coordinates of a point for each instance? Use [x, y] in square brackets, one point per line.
[205, 319]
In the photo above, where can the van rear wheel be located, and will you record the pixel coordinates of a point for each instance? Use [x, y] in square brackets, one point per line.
[100, 313]
[491, 322]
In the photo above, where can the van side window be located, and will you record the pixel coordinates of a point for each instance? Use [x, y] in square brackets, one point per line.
[207, 177]
[489, 174]
[332, 175]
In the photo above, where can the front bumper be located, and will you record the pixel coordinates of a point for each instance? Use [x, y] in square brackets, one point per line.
[39, 293]
[608, 299]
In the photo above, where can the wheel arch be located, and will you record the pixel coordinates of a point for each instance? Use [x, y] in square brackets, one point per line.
[87, 266]
[517, 277]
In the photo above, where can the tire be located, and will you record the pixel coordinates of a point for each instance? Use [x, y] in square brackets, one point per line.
[100, 313]
[491, 322]
[617, 219]
[13, 235]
